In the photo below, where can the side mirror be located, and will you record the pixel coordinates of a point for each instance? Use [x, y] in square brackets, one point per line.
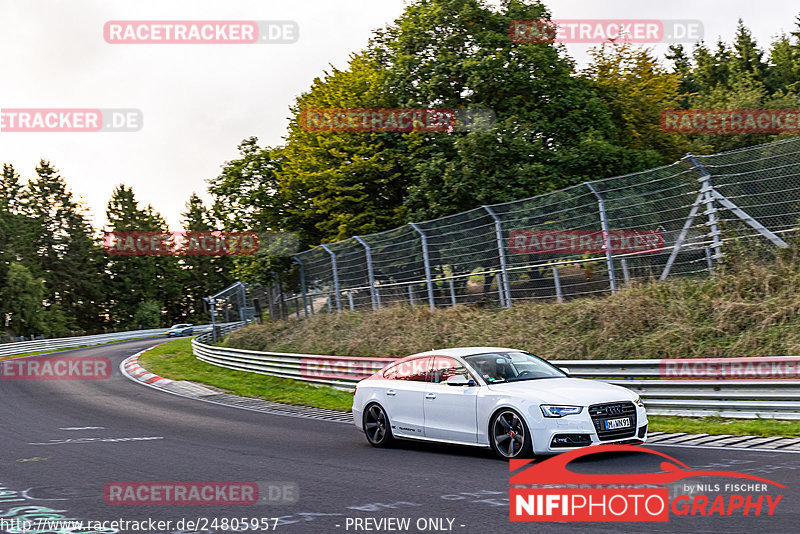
[564, 370]
[457, 380]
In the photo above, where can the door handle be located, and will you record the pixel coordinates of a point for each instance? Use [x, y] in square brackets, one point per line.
[430, 395]
[391, 393]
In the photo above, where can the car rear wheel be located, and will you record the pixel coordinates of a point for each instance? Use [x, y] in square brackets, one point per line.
[509, 435]
[376, 426]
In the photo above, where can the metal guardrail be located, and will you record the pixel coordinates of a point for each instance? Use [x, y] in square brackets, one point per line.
[22, 347]
[777, 398]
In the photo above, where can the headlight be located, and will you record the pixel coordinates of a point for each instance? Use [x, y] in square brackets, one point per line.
[551, 410]
[638, 402]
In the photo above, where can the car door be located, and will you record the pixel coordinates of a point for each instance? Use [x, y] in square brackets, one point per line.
[403, 396]
[450, 411]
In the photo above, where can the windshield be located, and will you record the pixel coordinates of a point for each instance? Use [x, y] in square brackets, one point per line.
[513, 366]
[181, 325]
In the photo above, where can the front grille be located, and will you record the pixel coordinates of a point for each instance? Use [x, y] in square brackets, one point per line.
[613, 410]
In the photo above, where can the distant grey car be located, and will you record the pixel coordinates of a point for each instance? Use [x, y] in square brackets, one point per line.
[180, 330]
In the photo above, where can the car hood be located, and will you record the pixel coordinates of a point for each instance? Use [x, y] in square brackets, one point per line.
[570, 391]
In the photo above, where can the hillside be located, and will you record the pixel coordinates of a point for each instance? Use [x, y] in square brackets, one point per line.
[750, 308]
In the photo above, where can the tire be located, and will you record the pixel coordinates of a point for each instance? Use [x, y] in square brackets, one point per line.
[509, 435]
[376, 426]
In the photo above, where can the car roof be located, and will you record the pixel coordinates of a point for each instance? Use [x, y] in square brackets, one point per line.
[464, 351]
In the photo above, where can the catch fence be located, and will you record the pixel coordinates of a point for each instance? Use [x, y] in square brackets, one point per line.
[587, 239]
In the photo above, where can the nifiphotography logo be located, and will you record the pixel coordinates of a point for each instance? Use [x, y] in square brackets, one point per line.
[549, 491]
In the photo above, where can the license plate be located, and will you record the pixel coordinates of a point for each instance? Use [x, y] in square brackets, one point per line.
[613, 424]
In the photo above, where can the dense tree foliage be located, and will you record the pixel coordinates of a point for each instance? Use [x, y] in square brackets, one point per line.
[554, 125]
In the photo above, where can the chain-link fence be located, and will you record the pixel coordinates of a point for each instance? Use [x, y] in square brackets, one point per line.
[588, 239]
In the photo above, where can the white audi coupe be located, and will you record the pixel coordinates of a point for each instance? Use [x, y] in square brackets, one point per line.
[510, 400]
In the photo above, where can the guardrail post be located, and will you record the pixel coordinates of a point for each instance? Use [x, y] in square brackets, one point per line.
[557, 280]
[335, 278]
[376, 303]
[604, 225]
[427, 261]
[299, 262]
[411, 294]
[350, 300]
[452, 293]
[503, 284]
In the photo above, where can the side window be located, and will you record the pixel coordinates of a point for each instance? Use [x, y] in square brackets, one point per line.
[444, 367]
[416, 370]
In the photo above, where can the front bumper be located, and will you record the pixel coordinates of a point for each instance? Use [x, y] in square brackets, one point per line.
[577, 431]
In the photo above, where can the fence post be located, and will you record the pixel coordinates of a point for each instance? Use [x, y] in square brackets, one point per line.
[604, 225]
[335, 278]
[557, 280]
[243, 306]
[350, 300]
[501, 250]
[411, 294]
[427, 261]
[452, 293]
[299, 262]
[370, 273]
[623, 262]
[708, 199]
[213, 306]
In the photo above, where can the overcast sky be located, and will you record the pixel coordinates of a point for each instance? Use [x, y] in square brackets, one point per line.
[200, 101]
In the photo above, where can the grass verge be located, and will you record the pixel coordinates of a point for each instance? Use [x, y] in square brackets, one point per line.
[175, 360]
[720, 425]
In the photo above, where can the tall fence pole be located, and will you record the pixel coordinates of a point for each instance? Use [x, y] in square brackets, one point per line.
[503, 285]
[370, 273]
[604, 225]
[557, 282]
[711, 210]
[426, 259]
[335, 278]
[299, 262]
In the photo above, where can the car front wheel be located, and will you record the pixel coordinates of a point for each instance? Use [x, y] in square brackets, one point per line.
[376, 426]
[509, 435]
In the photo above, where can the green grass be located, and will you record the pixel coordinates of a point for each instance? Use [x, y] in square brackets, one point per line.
[174, 360]
[24, 354]
[719, 425]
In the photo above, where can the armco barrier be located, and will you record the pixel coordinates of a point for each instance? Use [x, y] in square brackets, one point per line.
[22, 347]
[777, 398]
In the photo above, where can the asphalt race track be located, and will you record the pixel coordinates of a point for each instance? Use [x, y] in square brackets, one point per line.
[61, 442]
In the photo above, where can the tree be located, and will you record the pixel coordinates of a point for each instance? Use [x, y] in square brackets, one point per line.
[22, 298]
[135, 279]
[57, 245]
[637, 88]
[458, 54]
[201, 275]
[147, 314]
